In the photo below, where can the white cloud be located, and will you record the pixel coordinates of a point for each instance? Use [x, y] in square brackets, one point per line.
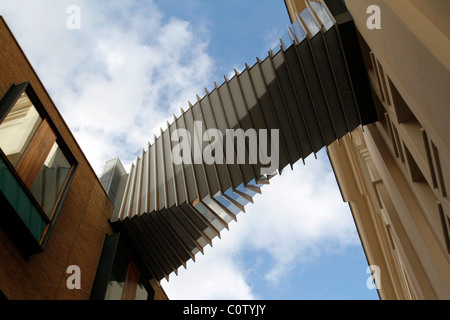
[119, 77]
[299, 217]
[213, 276]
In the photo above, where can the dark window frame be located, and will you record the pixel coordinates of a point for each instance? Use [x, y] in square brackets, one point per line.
[7, 102]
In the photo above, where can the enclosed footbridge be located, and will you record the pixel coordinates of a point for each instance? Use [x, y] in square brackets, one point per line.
[307, 93]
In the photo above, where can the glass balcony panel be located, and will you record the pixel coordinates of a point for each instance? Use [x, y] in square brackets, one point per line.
[160, 173]
[171, 197]
[236, 197]
[246, 191]
[253, 183]
[287, 40]
[298, 30]
[178, 168]
[213, 206]
[20, 202]
[310, 23]
[322, 14]
[228, 205]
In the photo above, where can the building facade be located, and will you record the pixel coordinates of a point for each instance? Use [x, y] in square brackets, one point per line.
[54, 209]
[55, 229]
[394, 173]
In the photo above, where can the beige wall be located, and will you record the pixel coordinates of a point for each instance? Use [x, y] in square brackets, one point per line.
[395, 174]
[401, 164]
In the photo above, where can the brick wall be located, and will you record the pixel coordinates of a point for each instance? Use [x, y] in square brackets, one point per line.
[79, 232]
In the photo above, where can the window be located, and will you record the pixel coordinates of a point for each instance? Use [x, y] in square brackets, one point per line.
[118, 276]
[128, 285]
[35, 160]
[51, 179]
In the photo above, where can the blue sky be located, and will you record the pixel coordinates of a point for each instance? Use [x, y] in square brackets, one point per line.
[133, 64]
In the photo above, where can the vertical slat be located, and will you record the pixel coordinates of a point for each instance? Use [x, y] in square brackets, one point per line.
[201, 170]
[163, 169]
[214, 220]
[160, 263]
[152, 199]
[191, 188]
[162, 250]
[233, 124]
[181, 236]
[211, 171]
[169, 169]
[196, 220]
[254, 91]
[222, 122]
[182, 250]
[129, 208]
[211, 123]
[214, 206]
[164, 237]
[179, 228]
[288, 115]
[338, 64]
[132, 234]
[180, 175]
[198, 178]
[328, 80]
[160, 184]
[256, 86]
[145, 190]
[226, 94]
[322, 103]
[308, 146]
[137, 188]
[123, 207]
[309, 82]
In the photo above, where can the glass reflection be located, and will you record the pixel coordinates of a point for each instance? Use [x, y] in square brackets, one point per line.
[299, 32]
[322, 14]
[118, 274]
[51, 179]
[18, 128]
[310, 23]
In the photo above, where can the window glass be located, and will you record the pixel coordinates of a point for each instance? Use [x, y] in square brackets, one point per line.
[299, 32]
[51, 179]
[309, 22]
[322, 14]
[117, 279]
[17, 129]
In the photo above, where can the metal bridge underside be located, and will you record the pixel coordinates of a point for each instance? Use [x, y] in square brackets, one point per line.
[313, 89]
